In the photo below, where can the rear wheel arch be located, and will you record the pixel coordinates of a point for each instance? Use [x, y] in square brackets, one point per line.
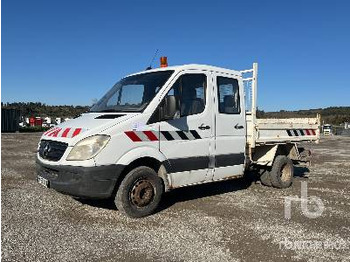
[289, 150]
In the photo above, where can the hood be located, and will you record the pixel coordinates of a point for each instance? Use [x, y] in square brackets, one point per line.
[87, 124]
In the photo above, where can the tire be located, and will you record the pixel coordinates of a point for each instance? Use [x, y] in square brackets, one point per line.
[282, 171]
[265, 178]
[139, 193]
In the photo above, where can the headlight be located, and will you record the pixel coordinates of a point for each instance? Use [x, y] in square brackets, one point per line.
[88, 147]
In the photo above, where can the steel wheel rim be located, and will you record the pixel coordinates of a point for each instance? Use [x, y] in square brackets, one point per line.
[142, 193]
[286, 172]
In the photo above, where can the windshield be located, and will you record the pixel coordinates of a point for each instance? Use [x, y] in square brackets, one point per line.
[133, 93]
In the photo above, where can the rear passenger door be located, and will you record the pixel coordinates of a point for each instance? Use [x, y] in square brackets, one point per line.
[230, 130]
[186, 139]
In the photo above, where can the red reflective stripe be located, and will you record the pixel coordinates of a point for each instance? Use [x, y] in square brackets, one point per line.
[307, 132]
[150, 135]
[132, 135]
[313, 132]
[55, 133]
[50, 130]
[76, 132]
[65, 132]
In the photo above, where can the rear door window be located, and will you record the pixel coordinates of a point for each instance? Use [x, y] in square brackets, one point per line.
[228, 93]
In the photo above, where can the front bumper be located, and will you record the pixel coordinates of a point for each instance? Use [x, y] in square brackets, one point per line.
[84, 182]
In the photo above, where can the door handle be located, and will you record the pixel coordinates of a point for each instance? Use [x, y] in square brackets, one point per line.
[238, 127]
[203, 127]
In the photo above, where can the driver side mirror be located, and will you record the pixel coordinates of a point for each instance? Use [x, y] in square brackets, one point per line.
[169, 108]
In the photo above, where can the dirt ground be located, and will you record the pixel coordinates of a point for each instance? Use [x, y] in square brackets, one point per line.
[237, 220]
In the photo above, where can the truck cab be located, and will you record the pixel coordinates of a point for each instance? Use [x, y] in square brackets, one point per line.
[327, 130]
[153, 131]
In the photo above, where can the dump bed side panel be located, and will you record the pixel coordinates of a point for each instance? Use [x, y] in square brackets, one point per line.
[287, 130]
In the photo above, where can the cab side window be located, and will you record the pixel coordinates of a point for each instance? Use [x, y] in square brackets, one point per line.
[228, 93]
[188, 94]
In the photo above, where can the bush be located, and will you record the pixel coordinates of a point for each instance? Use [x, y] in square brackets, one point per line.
[30, 129]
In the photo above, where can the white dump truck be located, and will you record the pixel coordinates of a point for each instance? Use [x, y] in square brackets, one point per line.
[170, 127]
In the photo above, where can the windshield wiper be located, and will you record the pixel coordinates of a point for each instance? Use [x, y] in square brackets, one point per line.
[108, 110]
[116, 111]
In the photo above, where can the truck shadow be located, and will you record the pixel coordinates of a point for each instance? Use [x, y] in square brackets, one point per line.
[218, 188]
[184, 194]
[197, 191]
[205, 190]
[301, 172]
[99, 203]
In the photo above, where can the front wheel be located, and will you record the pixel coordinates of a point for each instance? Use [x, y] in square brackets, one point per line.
[139, 193]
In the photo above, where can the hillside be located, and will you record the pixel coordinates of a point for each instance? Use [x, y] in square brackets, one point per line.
[330, 115]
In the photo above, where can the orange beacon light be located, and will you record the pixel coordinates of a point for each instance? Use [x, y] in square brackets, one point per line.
[163, 61]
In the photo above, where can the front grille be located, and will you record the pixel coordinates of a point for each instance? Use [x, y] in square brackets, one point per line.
[52, 150]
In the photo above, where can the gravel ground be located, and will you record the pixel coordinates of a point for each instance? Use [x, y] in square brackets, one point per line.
[237, 220]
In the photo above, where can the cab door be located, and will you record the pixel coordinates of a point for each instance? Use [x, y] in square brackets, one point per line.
[230, 128]
[186, 139]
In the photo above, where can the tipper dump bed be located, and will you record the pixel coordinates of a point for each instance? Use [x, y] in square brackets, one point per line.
[274, 130]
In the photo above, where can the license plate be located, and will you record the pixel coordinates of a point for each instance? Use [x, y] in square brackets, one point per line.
[43, 181]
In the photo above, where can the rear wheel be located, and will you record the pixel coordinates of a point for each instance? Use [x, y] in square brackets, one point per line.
[282, 171]
[265, 178]
[140, 192]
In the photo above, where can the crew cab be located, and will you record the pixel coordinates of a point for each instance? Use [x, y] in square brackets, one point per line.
[170, 127]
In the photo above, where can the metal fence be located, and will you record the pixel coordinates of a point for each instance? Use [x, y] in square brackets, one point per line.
[9, 120]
